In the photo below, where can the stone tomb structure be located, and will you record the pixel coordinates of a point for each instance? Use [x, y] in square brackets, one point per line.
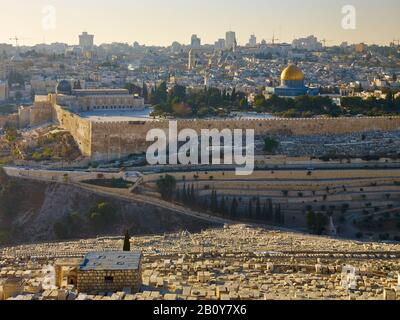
[110, 271]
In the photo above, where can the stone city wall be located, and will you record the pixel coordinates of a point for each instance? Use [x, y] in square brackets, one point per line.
[11, 119]
[104, 141]
[113, 140]
[39, 113]
[63, 176]
[79, 128]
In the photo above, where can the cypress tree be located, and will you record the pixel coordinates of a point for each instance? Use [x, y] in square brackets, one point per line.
[234, 206]
[270, 210]
[258, 208]
[145, 92]
[192, 194]
[233, 96]
[214, 201]
[265, 211]
[184, 195]
[127, 243]
[222, 209]
[250, 213]
[278, 218]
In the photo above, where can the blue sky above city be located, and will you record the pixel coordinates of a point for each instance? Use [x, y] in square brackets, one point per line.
[160, 22]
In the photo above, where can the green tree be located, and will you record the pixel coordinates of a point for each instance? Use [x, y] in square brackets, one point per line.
[214, 201]
[250, 209]
[184, 194]
[316, 222]
[244, 105]
[11, 134]
[270, 144]
[258, 208]
[222, 208]
[166, 186]
[61, 231]
[133, 89]
[234, 207]
[127, 242]
[192, 196]
[278, 214]
[103, 215]
[145, 92]
[18, 96]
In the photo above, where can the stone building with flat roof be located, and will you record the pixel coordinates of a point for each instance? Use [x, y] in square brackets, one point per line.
[110, 271]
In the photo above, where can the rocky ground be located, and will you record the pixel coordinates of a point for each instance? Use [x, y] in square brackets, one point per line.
[29, 215]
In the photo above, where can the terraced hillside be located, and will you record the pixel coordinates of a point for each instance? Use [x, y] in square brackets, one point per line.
[362, 203]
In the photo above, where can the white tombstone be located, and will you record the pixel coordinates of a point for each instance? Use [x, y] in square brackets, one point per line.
[349, 278]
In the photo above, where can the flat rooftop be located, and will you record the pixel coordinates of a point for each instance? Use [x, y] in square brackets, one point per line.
[252, 116]
[144, 115]
[110, 261]
[102, 92]
[118, 115]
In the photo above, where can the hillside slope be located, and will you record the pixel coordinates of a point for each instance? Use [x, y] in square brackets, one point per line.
[36, 211]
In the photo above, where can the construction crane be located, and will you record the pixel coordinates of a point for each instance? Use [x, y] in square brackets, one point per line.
[273, 40]
[16, 39]
[396, 41]
[324, 41]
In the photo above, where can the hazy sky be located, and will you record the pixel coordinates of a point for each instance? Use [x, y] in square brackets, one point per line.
[163, 21]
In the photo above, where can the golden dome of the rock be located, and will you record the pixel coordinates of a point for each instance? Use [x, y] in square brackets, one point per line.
[292, 73]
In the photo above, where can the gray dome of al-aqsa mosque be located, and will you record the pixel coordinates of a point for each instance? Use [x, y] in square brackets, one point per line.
[64, 87]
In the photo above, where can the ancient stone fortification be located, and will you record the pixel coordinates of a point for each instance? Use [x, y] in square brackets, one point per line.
[11, 120]
[39, 113]
[80, 129]
[113, 140]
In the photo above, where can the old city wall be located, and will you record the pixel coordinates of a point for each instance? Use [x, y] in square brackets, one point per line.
[11, 119]
[113, 140]
[39, 113]
[79, 128]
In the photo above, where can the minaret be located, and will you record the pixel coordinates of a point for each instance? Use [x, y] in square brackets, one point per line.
[207, 79]
[191, 60]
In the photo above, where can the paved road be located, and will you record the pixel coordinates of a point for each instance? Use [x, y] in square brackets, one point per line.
[125, 194]
[152, 201]
[227, 168]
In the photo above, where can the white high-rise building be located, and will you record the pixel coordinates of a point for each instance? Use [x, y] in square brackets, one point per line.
[230, 40]
[219, 44]
[310, 43]
[195, 42]
[86, 41]
[3, 90]
[252, 41]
